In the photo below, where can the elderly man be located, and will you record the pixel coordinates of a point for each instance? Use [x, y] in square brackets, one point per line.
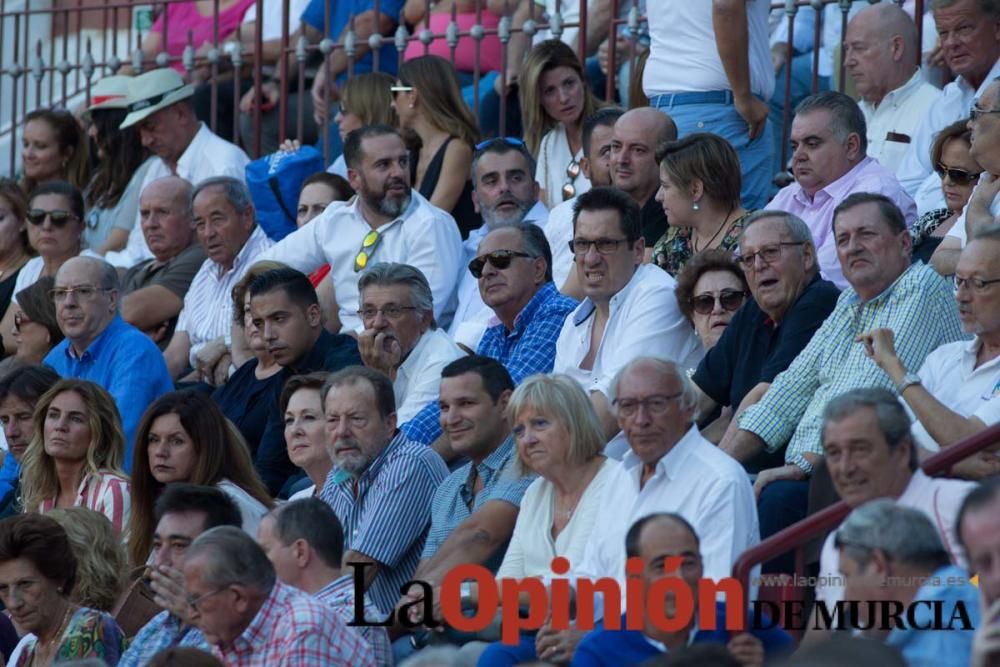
[253, 620]
[880, 54]
[597, 340]
[401, 339]
[102, 347]
[153, 291]
[829, 142]
[225, 226]
[387, 222]
[381, 484]
[305, 543]
[970, 44]
[160, 105]
[893, 554]
[886, 291]
[182, 513]
[790, 302]
[504, 191]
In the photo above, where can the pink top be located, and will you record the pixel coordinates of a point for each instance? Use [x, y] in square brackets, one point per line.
[184, 16]
[104, 492]
[465, 52]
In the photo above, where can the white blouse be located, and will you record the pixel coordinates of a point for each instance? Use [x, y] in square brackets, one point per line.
[252, 509]
[554, 158]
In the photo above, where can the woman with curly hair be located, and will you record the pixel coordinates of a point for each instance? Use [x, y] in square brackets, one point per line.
[100, 557]
[710, 289]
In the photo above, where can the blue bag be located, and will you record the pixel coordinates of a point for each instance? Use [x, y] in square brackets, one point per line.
[275, 182]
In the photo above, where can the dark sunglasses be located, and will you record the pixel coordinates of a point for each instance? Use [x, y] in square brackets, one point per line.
[500, 259]
[489, 143]
[36, 216]
[731, 300]
[956, 176]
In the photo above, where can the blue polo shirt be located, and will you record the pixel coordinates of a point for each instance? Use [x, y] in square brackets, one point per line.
[127, 363]
[340, 15]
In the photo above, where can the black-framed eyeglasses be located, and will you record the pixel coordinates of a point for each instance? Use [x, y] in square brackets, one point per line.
[730, 299]
[368, 245]
[193, 602]
[581, 247]
[489, 143]
[499, 259]
[83, 292]
[976, 111]
[975, 284]
[569, 187]
[390, 312]
[656, 404]
[769, 254]
[59, 218]
[956, 175]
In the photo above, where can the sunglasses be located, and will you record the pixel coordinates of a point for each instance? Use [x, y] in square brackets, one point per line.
[489, 143]
[956, 176]
[499, 259]
[368, 245]
[569, 187]
[400, 88]
[731, 300]
[36, 216]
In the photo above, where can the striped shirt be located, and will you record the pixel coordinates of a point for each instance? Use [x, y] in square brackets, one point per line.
[106, 492]
[291, 629]
[919, 308]
[386, 511]
[339, 594]
[208, 305]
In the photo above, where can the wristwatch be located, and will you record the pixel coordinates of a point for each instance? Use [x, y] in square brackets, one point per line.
[908, 380]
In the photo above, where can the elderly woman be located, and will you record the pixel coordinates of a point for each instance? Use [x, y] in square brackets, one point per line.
[305, 429]
[100, 557]
[36, 330]
[38, 571]
[75, 457]
[710, 289]
[700, 193]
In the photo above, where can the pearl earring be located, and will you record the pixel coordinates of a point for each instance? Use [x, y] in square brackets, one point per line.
[695, 206]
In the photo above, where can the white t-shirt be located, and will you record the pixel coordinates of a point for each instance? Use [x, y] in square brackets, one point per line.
[274, 15]
[251, 509]
[418, 378]
[958, 230]
[554, 160]
[559, 232]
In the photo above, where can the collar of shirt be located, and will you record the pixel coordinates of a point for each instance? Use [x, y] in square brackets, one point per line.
[413, 358]
[249, 249]
[259, 633]
[313, 360]
[489, 468]
[966, 88]
[587, 307]
[545, 293]
[186, 164]
[912, 273]
[341, 477]
[836, 191]
[93, 350]
[339, 589]
[660, 646]
[670, 463]
[898, 96]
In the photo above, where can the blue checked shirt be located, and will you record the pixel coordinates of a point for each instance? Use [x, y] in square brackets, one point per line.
[162, 632]
[386, 511]
[339, 594]
[919, 308]
[453, 498]
[527, 349]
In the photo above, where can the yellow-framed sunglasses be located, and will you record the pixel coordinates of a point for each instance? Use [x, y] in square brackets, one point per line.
[368, 245]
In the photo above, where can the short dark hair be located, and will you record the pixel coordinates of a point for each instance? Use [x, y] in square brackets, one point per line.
[308, 381]
[612, 199]
[35, 302]
[294, 284]
[180, 498]
[385, 398]
[893, 422]
[66, 190]
[604, 117]
[533, 241]
[981, 496]
[342, 190]
[635, 530]
[888, 211]
[500, 146]
[495, 376]
[28, 383]
[314, 521]
[845, 115]
[352, 142]
[710, 259]
[41, 540]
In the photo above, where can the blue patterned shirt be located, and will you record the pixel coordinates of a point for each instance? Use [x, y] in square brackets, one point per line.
[163, 631]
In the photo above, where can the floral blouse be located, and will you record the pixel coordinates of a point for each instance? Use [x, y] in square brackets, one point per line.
[927, 223]
[89, 634]
[675, 248]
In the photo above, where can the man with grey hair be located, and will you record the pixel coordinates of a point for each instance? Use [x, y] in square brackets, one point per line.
[102, 347]
[251, 619]
[227, 230]
[892, 559]
[829, 162]
[790, 302]
[401, 339]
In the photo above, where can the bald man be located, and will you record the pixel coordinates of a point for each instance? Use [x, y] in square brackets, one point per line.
[880, 54]
[153, 290]
[102, 347]
[634, 168]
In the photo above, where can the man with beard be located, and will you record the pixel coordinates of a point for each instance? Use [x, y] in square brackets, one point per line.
[386, 222]
[504, 191]
[381, 484]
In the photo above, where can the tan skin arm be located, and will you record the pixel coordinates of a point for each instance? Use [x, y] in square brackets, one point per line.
[148, 307]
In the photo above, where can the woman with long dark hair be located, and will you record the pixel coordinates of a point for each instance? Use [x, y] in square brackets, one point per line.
[53, 148]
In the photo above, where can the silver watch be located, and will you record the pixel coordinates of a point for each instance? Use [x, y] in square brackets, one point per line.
[908, 380]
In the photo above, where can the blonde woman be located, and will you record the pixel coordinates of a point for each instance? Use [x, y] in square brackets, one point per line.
[100, 557]
[555, 99]
[75, 457]
[365, 99]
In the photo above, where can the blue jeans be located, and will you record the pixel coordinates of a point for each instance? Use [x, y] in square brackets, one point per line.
[781, 504]
[722, 119]
[801, 88]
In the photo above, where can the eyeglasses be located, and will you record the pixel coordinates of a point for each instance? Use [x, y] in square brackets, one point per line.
[769, 254]
[36, 216]
[83, 293]
[975, 284]
[489, 143]
[391, 312]
[731, 300]
[976, 111]
[581, 247]
[956, 176]
[657, 404]
[569, 187]
[368, 245]
[19, 320]
[499, 259]
[193, 602]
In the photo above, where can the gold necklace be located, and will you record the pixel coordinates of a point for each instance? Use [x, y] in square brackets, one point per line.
[718, 231]
[47, 644]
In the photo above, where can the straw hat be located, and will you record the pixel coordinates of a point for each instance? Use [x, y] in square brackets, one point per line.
[152, 91]
[111, 92]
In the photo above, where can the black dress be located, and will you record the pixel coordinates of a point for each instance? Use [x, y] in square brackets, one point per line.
[464, 212]
[7, 289]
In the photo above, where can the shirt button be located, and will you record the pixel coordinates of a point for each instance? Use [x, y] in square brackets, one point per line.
[701, 124]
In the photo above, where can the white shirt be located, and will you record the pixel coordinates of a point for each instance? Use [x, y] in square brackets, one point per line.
[559, 232]
[32, 271]
[208, 304]
[251, 509]
[949, 374]
[683, 55]
[274, 15]
[644, 321]
[952, 104]
[958, 230]
[554, 159]
[418, 378]
[423, 236]
[938, 498]
[206, 156]
[472, 315]
[570, 13]
[695, 479]
[307, 492]
[901, 112]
